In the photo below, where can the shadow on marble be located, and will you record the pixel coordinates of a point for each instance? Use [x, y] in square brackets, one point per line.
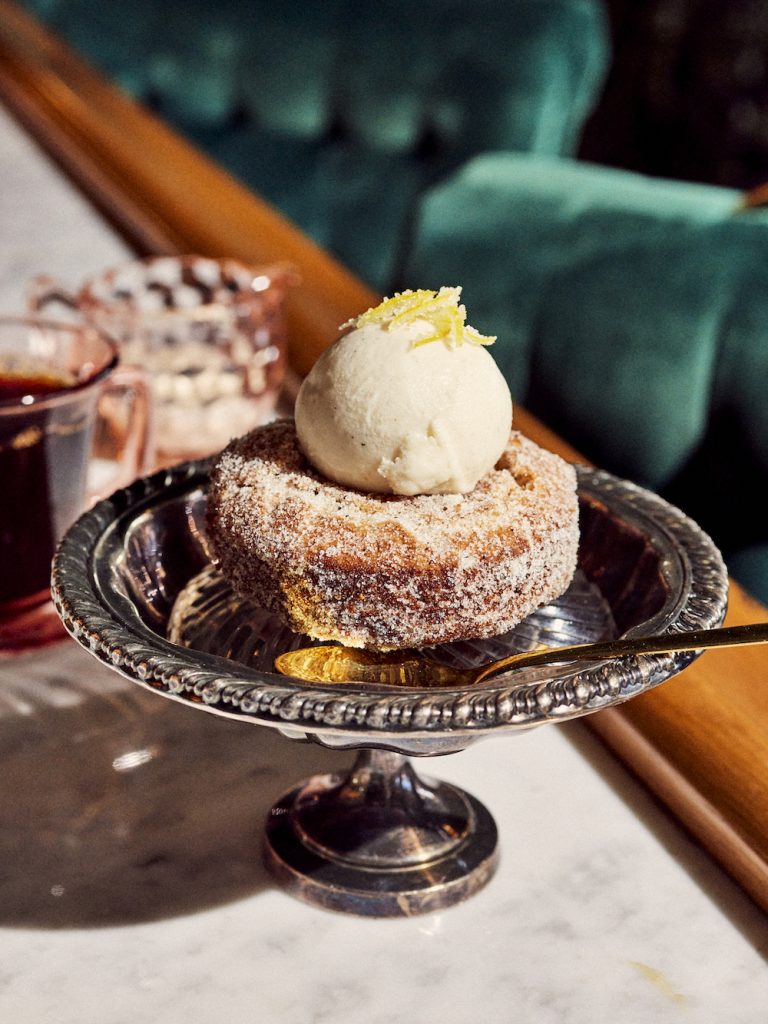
[731, 900]
[118, 806]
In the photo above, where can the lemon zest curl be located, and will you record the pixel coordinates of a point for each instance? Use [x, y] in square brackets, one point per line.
[441, 309]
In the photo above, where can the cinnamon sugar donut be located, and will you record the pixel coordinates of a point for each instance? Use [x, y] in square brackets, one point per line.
[386, 571]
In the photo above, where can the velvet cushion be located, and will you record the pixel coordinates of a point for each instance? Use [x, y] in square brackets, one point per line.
[342, 113]
[631, 316]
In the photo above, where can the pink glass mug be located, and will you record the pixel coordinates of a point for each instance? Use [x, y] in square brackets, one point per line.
[56, 381]
[210, 333]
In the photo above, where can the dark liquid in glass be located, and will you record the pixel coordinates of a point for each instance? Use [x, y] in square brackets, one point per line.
[43, 457]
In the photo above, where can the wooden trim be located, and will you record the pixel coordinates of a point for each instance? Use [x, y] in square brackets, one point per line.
[701, 740]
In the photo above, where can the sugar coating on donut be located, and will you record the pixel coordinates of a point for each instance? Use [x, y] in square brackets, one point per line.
[386, 571]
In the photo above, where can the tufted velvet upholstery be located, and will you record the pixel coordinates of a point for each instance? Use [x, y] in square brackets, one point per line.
[632, 314]
[342, 112]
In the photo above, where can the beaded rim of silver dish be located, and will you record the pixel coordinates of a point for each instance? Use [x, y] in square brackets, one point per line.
[107, 624]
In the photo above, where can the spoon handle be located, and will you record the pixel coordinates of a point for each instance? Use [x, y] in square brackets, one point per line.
[693, 640]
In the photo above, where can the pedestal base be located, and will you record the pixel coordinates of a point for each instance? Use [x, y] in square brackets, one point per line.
[381, 842]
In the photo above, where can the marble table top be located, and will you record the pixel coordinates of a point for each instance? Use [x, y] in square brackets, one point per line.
[131, 886]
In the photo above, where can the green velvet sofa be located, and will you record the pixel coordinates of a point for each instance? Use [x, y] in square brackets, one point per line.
[632, 316]
[435, 143]
[342, 113]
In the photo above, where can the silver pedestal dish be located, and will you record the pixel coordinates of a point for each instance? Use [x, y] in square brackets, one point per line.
[133, 583]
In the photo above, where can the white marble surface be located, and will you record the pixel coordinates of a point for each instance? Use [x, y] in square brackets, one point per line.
[46, 226]
[136, 893]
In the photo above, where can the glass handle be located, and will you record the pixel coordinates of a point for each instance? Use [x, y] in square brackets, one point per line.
[124, 435]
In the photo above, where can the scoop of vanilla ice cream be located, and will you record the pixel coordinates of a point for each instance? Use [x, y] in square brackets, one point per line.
[378, 414]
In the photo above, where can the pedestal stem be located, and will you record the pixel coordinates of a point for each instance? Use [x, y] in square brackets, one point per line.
[381, 840]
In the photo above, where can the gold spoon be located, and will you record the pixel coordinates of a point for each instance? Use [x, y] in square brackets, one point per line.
[330, 664]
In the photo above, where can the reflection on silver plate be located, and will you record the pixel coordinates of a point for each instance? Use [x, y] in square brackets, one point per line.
[210, 617]
[133, 583]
